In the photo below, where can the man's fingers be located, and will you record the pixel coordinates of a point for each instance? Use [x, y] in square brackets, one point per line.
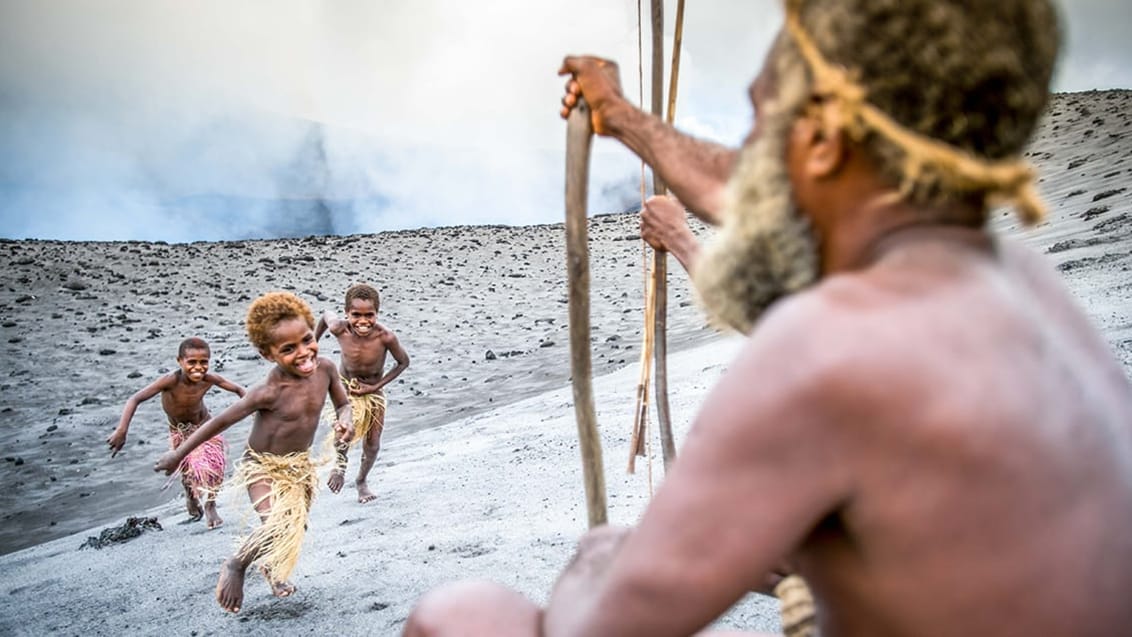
[569, 65]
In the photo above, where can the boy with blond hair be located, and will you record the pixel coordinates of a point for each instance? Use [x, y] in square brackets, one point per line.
[276, 469]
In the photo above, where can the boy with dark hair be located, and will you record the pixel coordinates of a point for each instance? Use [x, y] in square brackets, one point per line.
[364, 344]
[182, 398]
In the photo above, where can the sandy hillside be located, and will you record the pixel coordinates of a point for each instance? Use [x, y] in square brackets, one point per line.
[87, 324]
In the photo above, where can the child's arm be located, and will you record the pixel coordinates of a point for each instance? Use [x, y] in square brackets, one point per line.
[225, 384]
[328, 322]
[341, 401]
[399, 355]
[117, 438]
[258, 398]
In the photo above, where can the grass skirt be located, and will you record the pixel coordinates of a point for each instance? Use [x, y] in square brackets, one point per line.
[798, 614]
[204, 466]
[293, 484]
[368, 414]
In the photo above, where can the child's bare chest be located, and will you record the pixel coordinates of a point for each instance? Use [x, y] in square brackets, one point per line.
[183, 397]
[363, 356]
[300, 402]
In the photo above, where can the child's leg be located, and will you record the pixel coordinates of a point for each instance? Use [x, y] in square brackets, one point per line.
[370, 446]
[230, 587]
[261, 499]
[338, 475]
[192, 501]
[210, 512]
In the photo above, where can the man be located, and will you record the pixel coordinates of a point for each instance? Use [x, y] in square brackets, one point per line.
[923, 424]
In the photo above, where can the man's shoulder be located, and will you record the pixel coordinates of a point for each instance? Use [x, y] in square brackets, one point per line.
[830, 320]
[844, 331]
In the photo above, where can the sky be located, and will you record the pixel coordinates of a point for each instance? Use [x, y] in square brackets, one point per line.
[210, 120]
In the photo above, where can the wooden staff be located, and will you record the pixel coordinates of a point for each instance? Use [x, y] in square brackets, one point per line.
[579, 132]
[660, 257]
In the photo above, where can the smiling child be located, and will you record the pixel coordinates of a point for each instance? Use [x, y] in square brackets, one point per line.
[276, 468]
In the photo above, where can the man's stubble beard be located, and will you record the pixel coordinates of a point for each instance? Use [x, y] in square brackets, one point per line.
[765, 249]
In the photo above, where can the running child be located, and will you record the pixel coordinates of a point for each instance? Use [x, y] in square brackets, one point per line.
[276, 469]
[182, 397]
[364, 343]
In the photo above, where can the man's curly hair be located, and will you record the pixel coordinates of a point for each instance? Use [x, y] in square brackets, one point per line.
[973, 74]
[363, 292]
[268, 311]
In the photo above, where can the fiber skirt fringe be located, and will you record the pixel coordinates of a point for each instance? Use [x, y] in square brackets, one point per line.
[293, 483]
[369, 413]
[204, 466]
[798, 613]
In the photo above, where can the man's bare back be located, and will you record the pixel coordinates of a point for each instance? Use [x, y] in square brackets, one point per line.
[940, 354]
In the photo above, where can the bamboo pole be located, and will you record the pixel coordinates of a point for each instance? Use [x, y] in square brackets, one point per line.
[579, 133]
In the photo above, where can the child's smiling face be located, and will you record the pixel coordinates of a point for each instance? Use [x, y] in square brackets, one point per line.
[361, 314]
[293, 347]
[194, 364]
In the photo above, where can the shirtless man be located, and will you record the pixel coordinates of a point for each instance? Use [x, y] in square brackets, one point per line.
[276, 468]
[923, 423]
[364, 343]
[182, 399]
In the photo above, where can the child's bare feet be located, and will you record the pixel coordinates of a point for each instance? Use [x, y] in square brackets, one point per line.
[230, 586]
[337, 479]
[192, 503]
[278, 589]
[210, 514]
[364, 494]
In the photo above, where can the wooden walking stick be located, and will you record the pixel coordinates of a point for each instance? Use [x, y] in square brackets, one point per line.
[579, 132]
[660, 257]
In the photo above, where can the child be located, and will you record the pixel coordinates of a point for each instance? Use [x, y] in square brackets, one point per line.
[364, 343]
[182, 397]
[277, 467]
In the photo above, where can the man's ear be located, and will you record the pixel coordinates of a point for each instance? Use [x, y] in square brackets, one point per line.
[824, 148]
[266, 354]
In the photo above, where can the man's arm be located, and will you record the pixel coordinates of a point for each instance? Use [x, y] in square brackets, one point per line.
[695, 170]
[117, 438]
[256, 398]
[225, 384]
[763, 463]
[665, 227]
